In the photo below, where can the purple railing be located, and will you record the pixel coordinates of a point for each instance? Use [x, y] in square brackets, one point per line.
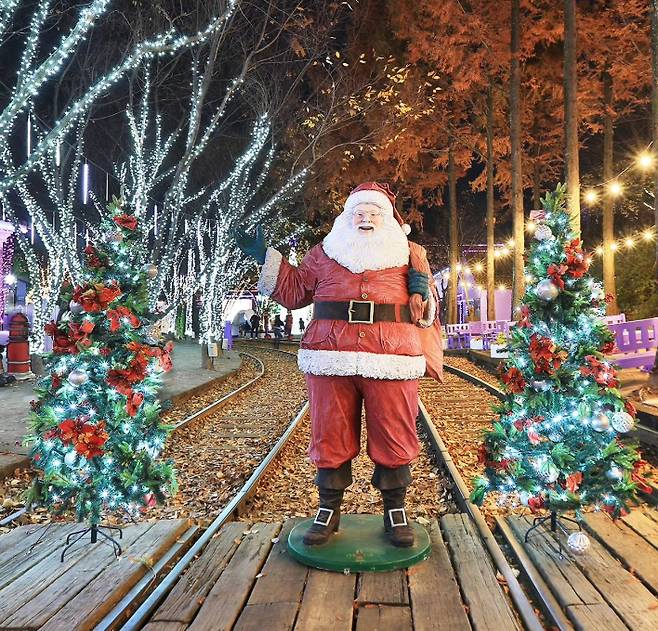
[637, 342]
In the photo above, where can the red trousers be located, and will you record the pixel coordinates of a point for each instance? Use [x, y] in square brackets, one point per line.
[391, 411]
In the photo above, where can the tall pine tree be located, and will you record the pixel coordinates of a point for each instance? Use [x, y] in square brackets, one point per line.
[556, 440]
[96, 432]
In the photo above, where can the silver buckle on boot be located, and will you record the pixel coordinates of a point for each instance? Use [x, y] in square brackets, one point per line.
[317, 519]
[392, 521]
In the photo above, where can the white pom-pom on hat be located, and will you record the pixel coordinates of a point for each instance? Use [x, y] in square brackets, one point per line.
[406, 228]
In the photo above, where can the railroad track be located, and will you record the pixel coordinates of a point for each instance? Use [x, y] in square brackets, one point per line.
[239, 505]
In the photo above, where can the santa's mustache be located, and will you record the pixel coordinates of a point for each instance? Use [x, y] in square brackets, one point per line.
[365, 226]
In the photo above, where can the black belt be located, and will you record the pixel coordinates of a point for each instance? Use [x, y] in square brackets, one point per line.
[360, 312]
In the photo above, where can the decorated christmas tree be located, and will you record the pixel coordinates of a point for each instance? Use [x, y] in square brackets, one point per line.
[96, 432]
[556, 442]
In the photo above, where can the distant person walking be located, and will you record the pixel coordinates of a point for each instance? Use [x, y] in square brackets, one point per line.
[302, 326]
[255, 325]
[288, 325]
[277, 329]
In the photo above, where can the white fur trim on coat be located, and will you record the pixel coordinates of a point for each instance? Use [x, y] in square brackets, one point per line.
[269, 272]
[371, 365]
[369, 197]
[425, 323]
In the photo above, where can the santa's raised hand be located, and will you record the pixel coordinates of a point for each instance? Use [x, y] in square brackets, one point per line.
[252, 246]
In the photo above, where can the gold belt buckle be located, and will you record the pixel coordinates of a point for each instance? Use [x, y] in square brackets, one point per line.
[370, 320]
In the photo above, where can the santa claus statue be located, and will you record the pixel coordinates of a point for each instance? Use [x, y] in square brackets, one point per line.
[374, 332]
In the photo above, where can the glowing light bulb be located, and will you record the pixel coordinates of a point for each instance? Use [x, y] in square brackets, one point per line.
[615, 188]
[591, 196]
[645, 160]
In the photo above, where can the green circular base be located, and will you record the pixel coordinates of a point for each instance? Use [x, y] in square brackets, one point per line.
[360, 545]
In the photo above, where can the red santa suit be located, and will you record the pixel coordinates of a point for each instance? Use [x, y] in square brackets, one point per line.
[375, 359]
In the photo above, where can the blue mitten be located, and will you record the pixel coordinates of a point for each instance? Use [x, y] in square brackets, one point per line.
[252, 246]
[418, 283]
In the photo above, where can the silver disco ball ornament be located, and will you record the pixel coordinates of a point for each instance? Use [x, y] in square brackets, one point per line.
[578, 542]
[70, 458]
[75, 307]
[540, 385]
[543, 232]
[547, 290]
[524, 496]
[598, 293]
[150, 270]
[600, 423]
[78, 377]
[555, 437]
[622, 422]
[614, 473]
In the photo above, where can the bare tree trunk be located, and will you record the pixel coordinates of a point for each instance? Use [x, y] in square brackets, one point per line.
[491, 219]
[608, 201]
[518, 284]
[571, 115]
[536, 187]
[454, 245]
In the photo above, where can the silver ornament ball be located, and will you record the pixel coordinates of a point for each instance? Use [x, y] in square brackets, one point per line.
[598, 293]
[622, 422]
[547, 290]
[78, 377]
[524, 496]
[543, 232]
[75, 307]
[70, 458]
[578, 542]
[540, 385]
[614, 473]
[600, 423]
[150, 270]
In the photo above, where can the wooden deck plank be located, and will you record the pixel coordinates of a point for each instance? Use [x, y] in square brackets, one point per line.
[642, 524]
[383, 618]
[328, 602]
[629, 547]
[584, 605]
[277, 594]
[435, 598]
[165, 626]
[187, 596]
[28, 552]
[488, 606]
[225, 600]
[31, 599]
[383, 588]
[103, 592]
[631, 600]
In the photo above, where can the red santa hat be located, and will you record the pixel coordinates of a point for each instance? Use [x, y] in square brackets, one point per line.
[381, 196]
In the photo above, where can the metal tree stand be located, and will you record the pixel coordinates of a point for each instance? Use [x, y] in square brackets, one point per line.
[556, 522]
[95, 531]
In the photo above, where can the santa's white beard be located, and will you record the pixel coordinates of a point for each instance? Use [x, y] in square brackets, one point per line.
[386, 246]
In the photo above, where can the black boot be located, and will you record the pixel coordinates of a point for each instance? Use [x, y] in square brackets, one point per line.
[327, 519]
[399, 531]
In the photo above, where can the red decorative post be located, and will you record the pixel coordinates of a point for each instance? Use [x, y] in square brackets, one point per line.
[18, 350]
